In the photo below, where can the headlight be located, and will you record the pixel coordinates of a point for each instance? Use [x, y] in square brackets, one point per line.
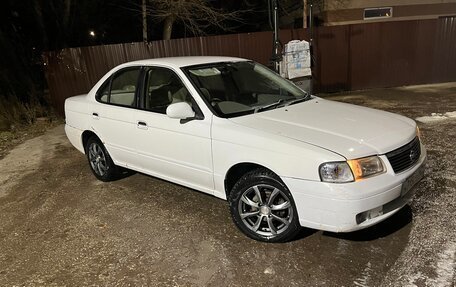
[365, 167]
[336, 172]
[351, 170]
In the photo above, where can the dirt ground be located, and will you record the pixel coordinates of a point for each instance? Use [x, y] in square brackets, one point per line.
[59, 226]
[11, 138]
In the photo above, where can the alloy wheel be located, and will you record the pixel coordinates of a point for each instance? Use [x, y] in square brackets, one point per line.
[97, 159]
[265, 210]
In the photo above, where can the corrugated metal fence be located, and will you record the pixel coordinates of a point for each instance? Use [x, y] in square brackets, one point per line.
[348, 57]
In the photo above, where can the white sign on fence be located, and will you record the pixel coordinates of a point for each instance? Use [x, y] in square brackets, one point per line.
[296, 60]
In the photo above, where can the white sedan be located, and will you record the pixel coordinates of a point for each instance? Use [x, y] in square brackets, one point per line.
[232, 128]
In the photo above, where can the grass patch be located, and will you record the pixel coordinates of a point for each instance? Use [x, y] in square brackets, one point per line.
[23, 132]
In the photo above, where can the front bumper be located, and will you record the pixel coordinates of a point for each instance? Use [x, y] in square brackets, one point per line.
[351, 206]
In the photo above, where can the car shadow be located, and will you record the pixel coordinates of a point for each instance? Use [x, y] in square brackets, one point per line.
[124, 173]
[304, 233]
[385, 228]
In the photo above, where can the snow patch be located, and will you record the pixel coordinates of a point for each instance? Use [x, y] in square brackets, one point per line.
[444, 269]
[434, 117]
[418, 276]
[269, 270]
[446, 266]
[363, 280]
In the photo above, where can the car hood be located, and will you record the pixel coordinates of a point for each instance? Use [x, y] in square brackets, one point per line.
[349, 130]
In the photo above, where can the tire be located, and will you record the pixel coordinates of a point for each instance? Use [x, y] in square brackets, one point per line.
[100, 161]
[273, 218]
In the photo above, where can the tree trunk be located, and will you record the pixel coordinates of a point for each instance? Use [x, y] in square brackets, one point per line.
[144, 21]
[304, 15]
[168, 27]
[66, 15]
[40, 20]
[66, 20]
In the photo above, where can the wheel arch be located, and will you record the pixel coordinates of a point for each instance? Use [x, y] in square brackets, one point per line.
[85, 137]
[235, 173]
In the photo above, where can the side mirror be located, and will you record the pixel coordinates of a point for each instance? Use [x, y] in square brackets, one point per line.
[181, 110]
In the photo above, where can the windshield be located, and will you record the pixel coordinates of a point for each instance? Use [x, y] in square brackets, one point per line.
[238, 88]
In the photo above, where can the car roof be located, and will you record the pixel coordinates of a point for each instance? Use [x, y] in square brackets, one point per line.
[178, 62]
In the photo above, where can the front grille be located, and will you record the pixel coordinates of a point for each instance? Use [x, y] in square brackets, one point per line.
[405, 156]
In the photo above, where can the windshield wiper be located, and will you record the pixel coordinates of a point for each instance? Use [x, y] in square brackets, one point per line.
[281, 101]
[275, 104]
[295, 101]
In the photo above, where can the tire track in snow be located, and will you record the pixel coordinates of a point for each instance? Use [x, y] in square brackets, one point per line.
[365, 277]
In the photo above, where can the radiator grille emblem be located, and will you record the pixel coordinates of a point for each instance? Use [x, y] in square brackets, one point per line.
[413, 155]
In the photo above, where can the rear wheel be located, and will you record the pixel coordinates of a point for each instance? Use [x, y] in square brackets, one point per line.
[262, 207]
[100, 161]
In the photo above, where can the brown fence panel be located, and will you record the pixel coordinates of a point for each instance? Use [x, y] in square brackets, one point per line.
[347, 57]
[445, 50]
[423, 51]
[389, 54]
[255, 46]
[332, 59]
[66, 75]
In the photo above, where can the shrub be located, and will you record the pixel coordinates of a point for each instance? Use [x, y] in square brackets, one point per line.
[14, 112]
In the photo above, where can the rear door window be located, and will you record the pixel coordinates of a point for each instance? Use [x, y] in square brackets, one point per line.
[121, 88]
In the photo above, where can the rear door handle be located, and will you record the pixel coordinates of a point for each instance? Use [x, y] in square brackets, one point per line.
[95, 116]
[141, 125]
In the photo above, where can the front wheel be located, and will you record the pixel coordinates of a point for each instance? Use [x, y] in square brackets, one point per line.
[100, 161]
[262, 207]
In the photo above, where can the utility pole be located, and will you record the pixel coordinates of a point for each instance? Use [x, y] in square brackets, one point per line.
[274, 22]
[144, 20]
[313, 60]
[311, 22]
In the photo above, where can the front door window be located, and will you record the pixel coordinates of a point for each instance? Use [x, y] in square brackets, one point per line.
[163, 87]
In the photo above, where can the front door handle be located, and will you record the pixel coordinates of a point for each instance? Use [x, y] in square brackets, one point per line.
[95, 116]
[141, 125]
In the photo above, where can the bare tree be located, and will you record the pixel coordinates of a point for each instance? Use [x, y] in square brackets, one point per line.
[144, 19]
[67, 9]
[38, 9]
[195, 15]
[305, 13]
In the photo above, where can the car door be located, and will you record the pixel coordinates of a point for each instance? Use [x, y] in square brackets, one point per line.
[179, 151]
[113, 114]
